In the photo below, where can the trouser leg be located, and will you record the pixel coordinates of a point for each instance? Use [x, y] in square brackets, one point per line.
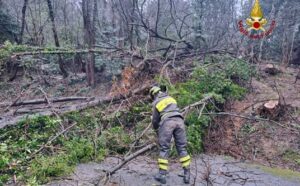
[181, 143]
[165, 135]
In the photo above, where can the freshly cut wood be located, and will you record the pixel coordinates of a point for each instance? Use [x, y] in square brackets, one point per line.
[270, 110]
[272, 69]
[271, 104]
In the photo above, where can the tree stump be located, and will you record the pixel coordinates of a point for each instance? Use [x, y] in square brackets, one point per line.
[271, 110]
[272, 69]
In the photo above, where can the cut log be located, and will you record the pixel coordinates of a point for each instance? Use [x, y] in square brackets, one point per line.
[272, 69]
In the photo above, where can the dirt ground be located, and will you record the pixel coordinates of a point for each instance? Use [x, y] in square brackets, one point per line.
[264, 142]
[206, 170]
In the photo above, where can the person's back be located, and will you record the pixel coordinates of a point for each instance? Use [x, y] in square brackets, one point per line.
[167, 121]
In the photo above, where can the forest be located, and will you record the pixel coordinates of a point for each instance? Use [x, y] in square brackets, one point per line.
[75, 77]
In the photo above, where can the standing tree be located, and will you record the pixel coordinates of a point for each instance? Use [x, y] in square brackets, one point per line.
[60, 59]
[89, 27]
[20, 41]
[8, 27]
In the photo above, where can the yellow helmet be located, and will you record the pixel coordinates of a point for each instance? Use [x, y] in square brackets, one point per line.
[154, 90]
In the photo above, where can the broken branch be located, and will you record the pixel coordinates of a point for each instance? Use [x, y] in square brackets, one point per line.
[186, 109]
[51, 140]
[129, 158]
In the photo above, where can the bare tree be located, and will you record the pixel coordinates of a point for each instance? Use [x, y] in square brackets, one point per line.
[23, 21]
[89, 27]
[56, 40]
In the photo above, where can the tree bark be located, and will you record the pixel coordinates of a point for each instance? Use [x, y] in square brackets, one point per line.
[43, 101]
[56, 40]
[89, 37]
[23, 21]
[297, 77]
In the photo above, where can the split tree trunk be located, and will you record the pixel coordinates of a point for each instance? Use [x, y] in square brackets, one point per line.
[60, 59]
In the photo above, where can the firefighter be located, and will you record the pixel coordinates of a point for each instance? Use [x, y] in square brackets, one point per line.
[167, 121]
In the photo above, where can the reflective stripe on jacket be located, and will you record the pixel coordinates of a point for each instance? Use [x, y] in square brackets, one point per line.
[164, 106]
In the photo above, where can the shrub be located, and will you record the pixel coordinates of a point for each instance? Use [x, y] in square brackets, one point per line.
[239, 71]
[43, 168]
[19, 142]
[207, 82]
[195, 132]
[116, 140]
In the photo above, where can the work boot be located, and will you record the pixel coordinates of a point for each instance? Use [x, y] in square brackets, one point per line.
[161, 177]
[186, 176]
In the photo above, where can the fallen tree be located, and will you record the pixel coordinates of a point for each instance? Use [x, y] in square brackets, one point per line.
[12, 119]
[128, 157]
[42, 101]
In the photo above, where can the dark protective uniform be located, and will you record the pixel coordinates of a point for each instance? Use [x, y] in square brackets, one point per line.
[168, 121]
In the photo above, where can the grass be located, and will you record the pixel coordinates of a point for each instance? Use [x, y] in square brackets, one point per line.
[292, 156]
[283, 173]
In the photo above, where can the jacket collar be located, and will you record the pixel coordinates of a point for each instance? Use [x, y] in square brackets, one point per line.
[161, 95]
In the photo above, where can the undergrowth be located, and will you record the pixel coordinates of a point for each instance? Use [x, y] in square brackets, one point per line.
[220, 83]
[96, 134]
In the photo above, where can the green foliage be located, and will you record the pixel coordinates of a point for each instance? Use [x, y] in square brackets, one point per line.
[81, 150]
[7, 50]
[239, 70]
[20, 142]
[43, 168]
[82, 143]
[279, 172]
[248, 129]
[8, 26]
[195, 132]
[292, 156]
[205, 82]
[117, 140]
[131, 116]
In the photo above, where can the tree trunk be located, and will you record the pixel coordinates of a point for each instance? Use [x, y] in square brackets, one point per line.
[23, 21]
[60, 60]
[297, 77]
[89, 37]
